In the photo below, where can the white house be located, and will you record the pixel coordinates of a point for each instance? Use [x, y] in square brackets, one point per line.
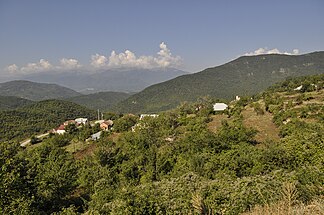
[220, 106]
[81, 121]
[148, 115]
[96, 136]
[298, 88]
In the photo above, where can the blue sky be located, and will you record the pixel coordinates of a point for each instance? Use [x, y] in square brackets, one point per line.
[196, 34]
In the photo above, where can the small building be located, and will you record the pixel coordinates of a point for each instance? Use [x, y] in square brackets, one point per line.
[80, 121]
[298, 88]
[106, 125]
[148, 115]
[96, 136]
[60, 130]
[220, 106]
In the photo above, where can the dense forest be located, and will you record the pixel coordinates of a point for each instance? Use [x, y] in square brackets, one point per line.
[188, 160]
[39, 118]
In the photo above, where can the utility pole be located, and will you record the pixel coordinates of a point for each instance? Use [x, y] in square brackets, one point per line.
[98, 115]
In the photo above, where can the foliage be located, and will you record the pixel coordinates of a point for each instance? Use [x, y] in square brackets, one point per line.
[12, 102]
[125, 123]
[102, 100]
[244, 76]
[173, 164]
[39, 118]
[35, 91]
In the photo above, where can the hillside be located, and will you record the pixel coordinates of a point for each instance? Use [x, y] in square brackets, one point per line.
[244, 76]
[118, 80]
[12, 102]
[264, 155]
[38, 118]
[102, 100]
[35, 91]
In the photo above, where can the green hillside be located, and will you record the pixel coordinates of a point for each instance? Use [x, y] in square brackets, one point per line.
[102, 100]
[38, 118]
[244, 76]
[12, 102]
[261, 156]
[35, 91]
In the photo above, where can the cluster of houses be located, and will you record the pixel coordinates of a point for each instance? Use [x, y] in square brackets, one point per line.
[105, 125]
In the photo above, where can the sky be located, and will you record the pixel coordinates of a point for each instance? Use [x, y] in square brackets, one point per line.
[47, 35]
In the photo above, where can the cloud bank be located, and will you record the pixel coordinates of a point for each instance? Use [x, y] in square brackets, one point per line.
[127, 59]
[262, 51]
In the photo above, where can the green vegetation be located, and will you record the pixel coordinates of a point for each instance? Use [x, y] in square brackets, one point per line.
[176, 164]
[103, 100]
[12, 102]
[244, 76]
[39, 118]
[35, 91]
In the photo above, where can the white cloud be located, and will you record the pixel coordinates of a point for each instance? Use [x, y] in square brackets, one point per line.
[261, 51]
[164, 58]
[69, 63]
[42, 65]
[98, 61]
[13, 68]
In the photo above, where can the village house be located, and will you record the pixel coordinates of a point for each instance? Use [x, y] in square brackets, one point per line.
[106, 125]
[96, 136]
[148, 115]
[220, 106]
[80, 121]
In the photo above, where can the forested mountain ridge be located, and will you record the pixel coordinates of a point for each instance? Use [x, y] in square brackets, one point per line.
[12, 102]
[176, 164]
[102, 100]
[35, 91]
[39, 118]
[246, 75]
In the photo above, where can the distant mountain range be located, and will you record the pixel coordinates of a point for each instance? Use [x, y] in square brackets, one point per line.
[102, 100]
[17, 94]
[246, 75]
[118, 80]
[35, 91]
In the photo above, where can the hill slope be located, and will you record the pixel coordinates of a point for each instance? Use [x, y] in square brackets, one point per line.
[244, 76]
[12, 102]
[39, 117]
[35, 91]
[101, 100]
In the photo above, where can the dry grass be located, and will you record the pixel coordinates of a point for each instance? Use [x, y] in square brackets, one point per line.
[216, 122]
[282, 208]
[289, 205]
[87, 150]
[263, 123]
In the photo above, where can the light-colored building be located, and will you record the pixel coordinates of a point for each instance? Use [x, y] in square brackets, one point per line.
[106, 125]
[80, 121]
[96, 136]
[148, 115]
[220, 106]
